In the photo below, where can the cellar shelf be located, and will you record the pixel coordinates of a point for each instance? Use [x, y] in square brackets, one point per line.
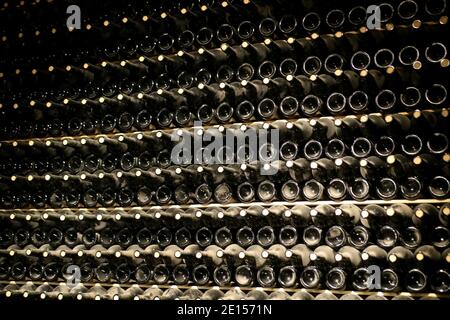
[98, 210]
[237, 125]
[314, 292]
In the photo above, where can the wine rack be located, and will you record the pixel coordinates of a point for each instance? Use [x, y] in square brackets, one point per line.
[339, 189]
